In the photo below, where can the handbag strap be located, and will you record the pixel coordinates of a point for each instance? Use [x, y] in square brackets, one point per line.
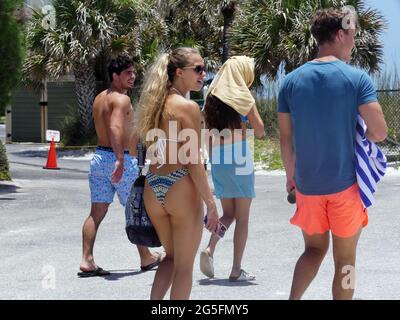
[141, 149]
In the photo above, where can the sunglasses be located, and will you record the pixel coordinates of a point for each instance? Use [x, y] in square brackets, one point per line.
[198, 69]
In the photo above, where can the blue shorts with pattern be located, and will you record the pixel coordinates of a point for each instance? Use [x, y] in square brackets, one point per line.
[101, 168]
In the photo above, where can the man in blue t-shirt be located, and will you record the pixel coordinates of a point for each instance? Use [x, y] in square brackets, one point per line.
[317, 114]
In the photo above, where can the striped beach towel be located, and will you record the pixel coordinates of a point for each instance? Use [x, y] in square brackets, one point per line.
[370, 164]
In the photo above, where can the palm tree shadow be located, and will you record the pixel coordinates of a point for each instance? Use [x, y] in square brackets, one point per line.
[118, 274]
[226, 283]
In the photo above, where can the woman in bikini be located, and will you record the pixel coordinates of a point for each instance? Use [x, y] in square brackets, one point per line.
[176, 184]
[229, 105]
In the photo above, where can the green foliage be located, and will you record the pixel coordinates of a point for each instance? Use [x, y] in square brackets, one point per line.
[268, 112]
[4, 167]
[11, 50]
[267, 154]
[278, 32]
[198, 24]
[86, 33]
[70, 130]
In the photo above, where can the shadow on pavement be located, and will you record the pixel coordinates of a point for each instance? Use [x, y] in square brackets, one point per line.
[117, 274]
[8, 187]
[60, 153]
[226, 283]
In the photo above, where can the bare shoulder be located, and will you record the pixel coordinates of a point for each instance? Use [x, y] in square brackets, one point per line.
[119, 100]
[185, 108]
[100, 97]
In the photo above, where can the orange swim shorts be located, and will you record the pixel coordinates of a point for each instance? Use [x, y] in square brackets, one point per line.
[343, 213]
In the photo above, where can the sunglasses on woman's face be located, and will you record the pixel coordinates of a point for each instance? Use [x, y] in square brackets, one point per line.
[198, 69]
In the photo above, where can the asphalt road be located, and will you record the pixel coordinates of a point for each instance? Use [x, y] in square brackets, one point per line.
[42, 212]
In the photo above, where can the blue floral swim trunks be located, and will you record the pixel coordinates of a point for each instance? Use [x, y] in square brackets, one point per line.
[101, 168]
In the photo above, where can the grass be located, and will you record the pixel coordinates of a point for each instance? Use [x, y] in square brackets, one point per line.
[2, 120]
[267, 154]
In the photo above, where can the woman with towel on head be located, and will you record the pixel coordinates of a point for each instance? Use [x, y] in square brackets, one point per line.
[229, 106]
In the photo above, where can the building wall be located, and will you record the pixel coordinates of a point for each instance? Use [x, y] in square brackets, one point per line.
[25, 116]
[25, 110]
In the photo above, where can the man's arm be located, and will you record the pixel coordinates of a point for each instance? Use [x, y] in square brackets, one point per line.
[120, 110]
[287, 151]
[376, 125]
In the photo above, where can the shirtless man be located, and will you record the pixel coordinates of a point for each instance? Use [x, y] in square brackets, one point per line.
[113, 168]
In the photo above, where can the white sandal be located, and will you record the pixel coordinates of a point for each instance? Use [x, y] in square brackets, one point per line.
[243, 276]
[206, 264]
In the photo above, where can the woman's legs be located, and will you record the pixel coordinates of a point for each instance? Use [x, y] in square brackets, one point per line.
[186, 217]
[228, 207]
[162, 223]
[179, 226]
[186, 238]
[242, 211]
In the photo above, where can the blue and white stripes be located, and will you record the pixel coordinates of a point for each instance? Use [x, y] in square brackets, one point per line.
[370, 164]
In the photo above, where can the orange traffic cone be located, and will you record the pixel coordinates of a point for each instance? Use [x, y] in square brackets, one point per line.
[51, 157]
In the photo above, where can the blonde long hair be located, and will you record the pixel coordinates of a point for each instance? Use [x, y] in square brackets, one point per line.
[156, 86]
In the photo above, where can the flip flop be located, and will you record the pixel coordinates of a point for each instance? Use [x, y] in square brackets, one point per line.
[152, 265]
[98, 272]
[243, 276]
[206, 264]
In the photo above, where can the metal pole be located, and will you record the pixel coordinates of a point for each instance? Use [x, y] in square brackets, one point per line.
[8, 125]
[43, 112]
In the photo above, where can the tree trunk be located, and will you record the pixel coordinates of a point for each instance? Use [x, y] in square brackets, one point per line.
[228, 11]
[85, 88]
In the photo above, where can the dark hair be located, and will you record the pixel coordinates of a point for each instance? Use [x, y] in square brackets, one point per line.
[117, 65]
[218, 115]
[326, 23]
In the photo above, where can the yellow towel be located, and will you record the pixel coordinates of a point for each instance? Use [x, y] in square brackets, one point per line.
[232, 82]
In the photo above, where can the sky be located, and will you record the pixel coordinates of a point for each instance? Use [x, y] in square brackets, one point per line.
[390, 9]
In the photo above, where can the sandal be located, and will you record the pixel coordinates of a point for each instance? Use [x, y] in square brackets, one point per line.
[206, 264]
[243, 276]
[98, 272]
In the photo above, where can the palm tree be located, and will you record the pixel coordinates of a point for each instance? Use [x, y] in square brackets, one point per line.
[84, 31]
[276, 32]
[200, 23]
[228, 9]
[72, 45]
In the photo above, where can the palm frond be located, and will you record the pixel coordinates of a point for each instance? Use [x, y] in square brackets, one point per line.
[276, 32]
